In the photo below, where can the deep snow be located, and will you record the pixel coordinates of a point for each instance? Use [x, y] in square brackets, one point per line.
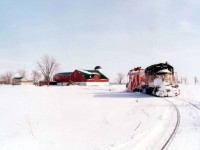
[92, 118]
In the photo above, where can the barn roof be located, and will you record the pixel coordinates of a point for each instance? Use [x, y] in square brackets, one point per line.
[64, 74]
[18, 78]
[87, 74]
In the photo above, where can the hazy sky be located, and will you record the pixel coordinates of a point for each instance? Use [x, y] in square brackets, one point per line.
[115, 34]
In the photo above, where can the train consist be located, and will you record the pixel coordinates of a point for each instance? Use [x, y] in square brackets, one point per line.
[158, 79]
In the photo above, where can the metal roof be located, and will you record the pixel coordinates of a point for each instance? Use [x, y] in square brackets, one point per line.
[88, 74]
[18, 78]
[64, 74]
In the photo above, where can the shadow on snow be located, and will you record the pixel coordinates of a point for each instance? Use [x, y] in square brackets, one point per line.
[121, 95]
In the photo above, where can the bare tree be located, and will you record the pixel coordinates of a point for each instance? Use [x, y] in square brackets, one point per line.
[195, 80]
[2, 79]
[47, 66]
[120, 78]
[185, 80]
[36, 76]
[22, 73]
[181, 80]
[7, 77]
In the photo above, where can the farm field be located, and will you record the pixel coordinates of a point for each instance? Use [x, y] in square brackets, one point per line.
[97, 118]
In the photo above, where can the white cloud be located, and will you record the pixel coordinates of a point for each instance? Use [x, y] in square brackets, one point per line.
[186, 26]
[189, 27]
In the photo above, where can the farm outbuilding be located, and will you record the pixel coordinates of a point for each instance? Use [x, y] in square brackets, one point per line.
[43, 83]
[81, 77]
[21, 81]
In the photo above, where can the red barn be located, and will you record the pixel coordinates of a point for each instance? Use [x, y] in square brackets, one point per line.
[62, 77]
[82, 77]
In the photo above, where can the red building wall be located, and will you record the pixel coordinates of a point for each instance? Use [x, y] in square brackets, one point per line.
[61, 78]
[77, 77]
[96, 79]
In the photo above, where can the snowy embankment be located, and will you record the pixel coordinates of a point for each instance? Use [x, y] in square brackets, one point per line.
[86, 118]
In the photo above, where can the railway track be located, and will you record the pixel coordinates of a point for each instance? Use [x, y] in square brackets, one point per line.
[172, 135]
[178, 119]
[184, 100]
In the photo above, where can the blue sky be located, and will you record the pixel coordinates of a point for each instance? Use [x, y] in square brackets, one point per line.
[116, 34]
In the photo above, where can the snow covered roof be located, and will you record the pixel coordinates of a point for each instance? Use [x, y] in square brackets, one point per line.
[159, 68]
[88, 74]
[164, 71]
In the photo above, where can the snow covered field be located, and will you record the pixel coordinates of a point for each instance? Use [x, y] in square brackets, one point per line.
[96, 118]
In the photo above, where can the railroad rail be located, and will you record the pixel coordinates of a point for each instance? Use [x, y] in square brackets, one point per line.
[178, 119]
[172, 135]
[188, 103]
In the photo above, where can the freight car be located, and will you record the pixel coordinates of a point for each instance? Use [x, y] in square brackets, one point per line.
[158, 79]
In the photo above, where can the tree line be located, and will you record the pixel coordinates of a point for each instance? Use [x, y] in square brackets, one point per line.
[45, 68]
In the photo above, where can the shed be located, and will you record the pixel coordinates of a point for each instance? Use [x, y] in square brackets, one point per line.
[21, 81]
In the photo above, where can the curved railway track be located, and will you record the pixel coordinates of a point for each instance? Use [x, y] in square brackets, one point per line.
[184, 100]
[172, 135]
[178, 119]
